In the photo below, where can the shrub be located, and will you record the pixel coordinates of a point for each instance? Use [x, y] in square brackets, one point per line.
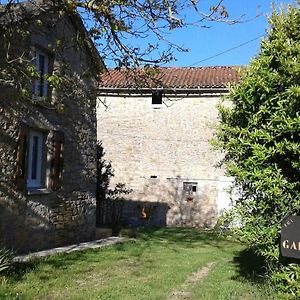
[6, 260]
[287, 281]
[260, 135]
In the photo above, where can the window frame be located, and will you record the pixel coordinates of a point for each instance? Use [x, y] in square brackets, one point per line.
[41, 81]
[33, 183]
[52, 160]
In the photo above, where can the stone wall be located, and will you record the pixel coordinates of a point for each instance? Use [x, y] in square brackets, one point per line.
[52, 218]
[155, 151]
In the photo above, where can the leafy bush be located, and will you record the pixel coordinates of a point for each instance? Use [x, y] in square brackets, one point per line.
[287, 280]
[259, 132]
[6, 260]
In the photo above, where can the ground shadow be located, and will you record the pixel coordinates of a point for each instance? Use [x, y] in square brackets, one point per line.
[250, 266]
[58, 261]
[20, 269]
[115, 209]
[175, 238]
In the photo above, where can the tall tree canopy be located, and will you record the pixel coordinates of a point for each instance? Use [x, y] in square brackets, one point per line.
[118, 28]
[260, 133]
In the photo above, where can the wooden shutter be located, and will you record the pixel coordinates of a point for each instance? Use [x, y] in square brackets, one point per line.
[21, 161]
[56, 167]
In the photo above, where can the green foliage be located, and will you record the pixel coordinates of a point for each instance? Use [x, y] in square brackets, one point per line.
[54, 80]
[6, 260]
[260, 135]
[32, 71]
[115, 26]
[110, 201]
[287, 281]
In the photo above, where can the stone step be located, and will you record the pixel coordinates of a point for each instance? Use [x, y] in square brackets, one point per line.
[103, 233]
[71, 248]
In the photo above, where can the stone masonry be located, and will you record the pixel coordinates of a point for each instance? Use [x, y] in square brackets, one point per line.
[156, 151]
[52, 218]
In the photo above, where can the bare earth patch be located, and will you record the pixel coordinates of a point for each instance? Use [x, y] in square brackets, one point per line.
[183, 291]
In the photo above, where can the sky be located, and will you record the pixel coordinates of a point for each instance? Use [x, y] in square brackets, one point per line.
[206, 42]
[206, 45]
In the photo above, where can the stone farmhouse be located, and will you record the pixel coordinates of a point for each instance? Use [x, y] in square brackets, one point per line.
[155, 129]
[47, 144]
[156, 133]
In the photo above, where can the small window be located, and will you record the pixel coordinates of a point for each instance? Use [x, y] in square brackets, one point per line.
[157, 97]
[190, 188]
[36, 151]
[40, 87]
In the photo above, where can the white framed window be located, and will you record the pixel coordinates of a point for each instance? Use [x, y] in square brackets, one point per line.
[39, 160]
[36, 147]
[40, 86]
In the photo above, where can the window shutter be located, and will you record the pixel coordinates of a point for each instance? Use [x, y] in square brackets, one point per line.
[56, 160]
[21, 161]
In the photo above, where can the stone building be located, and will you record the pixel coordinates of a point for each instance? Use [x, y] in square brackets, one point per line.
[48, 138]
[156, 133]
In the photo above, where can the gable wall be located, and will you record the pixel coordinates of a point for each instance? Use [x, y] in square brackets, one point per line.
[171, 143]
[66, 216]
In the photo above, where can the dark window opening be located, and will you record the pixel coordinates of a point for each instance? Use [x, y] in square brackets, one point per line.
[35, 152]
[35, 160]
[157, 97]
[190, 188]
[40, 85]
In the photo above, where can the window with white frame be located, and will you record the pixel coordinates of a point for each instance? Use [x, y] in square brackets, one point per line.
[40, 87]
[39, 159]
[36, 159]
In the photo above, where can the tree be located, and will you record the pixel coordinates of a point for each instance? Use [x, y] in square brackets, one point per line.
[115, 26]
[112, 23]
[260, 134]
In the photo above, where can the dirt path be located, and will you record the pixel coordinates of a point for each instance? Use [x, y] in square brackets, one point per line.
[183, 291]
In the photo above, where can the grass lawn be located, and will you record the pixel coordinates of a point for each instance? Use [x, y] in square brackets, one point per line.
[162, 264]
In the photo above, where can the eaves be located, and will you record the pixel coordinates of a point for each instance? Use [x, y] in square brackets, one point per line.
[189, 92]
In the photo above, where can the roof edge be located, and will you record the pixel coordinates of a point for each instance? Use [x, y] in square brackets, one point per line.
[89, 44]
[140, 91]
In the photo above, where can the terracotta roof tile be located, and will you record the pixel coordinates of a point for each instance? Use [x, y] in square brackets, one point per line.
[173, 77]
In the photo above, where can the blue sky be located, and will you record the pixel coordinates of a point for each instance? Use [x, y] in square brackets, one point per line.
[204, 43]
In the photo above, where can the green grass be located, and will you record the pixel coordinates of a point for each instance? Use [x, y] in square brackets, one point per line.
[151, 268]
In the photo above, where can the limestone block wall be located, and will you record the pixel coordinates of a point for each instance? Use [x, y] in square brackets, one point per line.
[51, 218]
[156, 151]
